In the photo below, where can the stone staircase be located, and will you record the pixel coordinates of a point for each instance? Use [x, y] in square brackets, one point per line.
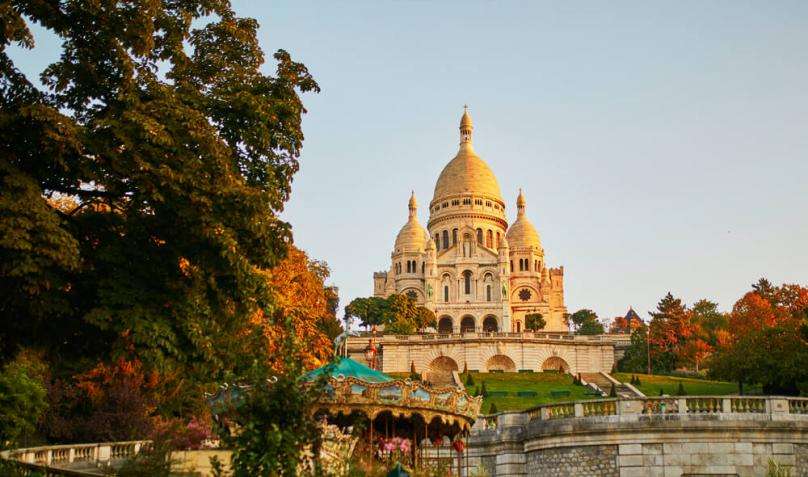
[603, 382]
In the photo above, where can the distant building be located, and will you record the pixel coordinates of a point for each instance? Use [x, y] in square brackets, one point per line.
[626, 324]
[477, 273]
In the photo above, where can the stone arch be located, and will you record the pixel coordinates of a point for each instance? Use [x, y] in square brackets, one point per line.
[468, 324]
[490, 324]
[445, 325]
[555, 363]
[440, 370]
[500, 362]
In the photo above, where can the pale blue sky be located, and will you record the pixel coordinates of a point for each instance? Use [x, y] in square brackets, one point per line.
[661, 146]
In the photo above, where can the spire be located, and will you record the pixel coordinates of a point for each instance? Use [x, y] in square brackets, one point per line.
[466, 127]
[520, 203]
[413, 205]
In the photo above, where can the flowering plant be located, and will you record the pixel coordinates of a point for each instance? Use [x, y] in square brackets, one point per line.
[395, 448]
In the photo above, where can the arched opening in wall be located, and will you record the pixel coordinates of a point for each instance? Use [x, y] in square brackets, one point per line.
[467, 324]
[500, 362]
[489, 239]
[480, 236]
[445, 239]
[490, 324]
[454, 236]
[440, 370]
[554, 363]
[445, 325]
[467, 282]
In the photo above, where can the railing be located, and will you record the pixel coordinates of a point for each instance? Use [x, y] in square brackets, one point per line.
[548, 336]
[63, 456]
[665, 405]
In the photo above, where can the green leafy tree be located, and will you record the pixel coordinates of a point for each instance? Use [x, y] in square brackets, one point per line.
[534, 322]
[178, 153]
[22, 399]
[371, 311]
[586, 322]
[669, 332]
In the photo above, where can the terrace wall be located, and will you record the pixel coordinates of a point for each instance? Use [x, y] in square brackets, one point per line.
[645, 437]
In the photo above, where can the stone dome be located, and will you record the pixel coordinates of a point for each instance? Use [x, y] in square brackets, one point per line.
[522, 233]
[466, 173]
[412, 235]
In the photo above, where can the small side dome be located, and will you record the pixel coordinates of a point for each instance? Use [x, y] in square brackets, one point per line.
[522, 233]
[412, 235]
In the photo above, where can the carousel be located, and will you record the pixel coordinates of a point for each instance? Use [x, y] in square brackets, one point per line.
[396, 420]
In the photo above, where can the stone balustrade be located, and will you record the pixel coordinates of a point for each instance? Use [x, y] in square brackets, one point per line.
[69, 456]
[671, 405]
[667, 435]
[548, 336]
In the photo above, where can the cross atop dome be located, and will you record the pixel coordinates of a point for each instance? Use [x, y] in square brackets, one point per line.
[466, 126]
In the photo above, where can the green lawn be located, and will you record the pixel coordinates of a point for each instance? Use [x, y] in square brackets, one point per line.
[541, 383]
[650, 384]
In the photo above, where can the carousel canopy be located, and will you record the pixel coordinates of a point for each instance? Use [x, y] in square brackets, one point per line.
[348, 368]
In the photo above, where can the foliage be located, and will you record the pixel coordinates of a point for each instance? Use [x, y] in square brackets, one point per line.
[635, 358]
[139, 197]
[274, 420]
[302, 306]
[613, 391]
[680, 391]
[765, 341]
[484, 390]
[399, 314]
[669, 331]
[585, 322]
[493, 408]
[108, 403]
[22, 399]
[469, 379]
[534, 322]
[775, 469]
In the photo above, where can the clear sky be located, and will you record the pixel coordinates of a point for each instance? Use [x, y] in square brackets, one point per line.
[662, 146]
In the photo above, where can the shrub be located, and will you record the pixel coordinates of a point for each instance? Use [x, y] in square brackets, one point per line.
[613, 391]
[681, 390]
[661, 392]
[484, 390]
[493, 409]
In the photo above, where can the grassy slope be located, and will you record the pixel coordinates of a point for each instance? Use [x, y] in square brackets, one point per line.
[650, 384]
[542, 383]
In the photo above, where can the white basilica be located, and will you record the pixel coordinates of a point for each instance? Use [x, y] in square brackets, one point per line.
[472, 269]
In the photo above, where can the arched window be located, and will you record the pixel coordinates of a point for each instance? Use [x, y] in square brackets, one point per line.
[454, 236]
[489, 239]
[511, 265]
[467, 282]
[488, 292]
[497, 240]
[445, 239]
[480, 236]
[446, 293]
[423, 265]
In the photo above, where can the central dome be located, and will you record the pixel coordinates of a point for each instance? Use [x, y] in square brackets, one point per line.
[466, 173]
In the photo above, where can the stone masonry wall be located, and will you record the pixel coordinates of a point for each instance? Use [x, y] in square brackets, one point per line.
[574, 461]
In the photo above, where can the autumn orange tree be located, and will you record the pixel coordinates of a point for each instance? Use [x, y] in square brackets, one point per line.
[766, 341]
[305, 310]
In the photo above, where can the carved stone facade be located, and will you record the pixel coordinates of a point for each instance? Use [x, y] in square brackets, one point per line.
[485, 352]
[477, 273]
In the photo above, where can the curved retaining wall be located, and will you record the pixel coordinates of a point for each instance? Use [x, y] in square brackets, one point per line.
[719, 436]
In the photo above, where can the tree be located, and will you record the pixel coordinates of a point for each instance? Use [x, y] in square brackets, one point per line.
[493, 409]
[669, 331]
[179, 153]
[765, 342]
[534, 322]
[370, 311]
[586, 322]
[302, 300]
[22, 399]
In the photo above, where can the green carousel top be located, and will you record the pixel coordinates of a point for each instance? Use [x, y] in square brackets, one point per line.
[343, 367]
